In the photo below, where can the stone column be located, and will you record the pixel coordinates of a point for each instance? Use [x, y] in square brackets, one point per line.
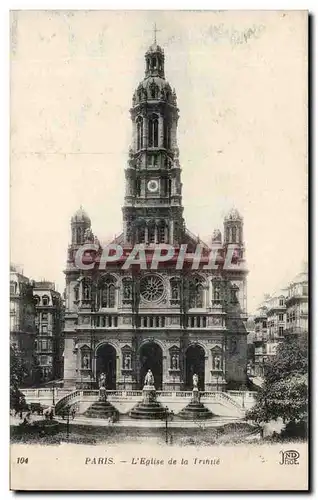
[118, 369]
[165, 368]
[207, 371]
[171, 232]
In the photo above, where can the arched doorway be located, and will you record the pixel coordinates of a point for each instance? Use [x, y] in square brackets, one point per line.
[106, 362]
[150, 358]
[195, 361]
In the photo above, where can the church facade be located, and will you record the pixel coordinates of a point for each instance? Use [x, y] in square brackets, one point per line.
[176, 322]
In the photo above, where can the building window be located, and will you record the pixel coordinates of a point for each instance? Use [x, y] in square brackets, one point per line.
[151, 234]
[161, 233]
[107, 293]
[44, 316]
[138, 187]
[45, 300]
[281, 331]
[43, 360]
[13, 288]
[153, 131]
[305, 290]
[139, 132]
[264, 324]
[167, 136]
[142, 234]
[44, 329]
[281, 317]
[196, 294]
[281, 302]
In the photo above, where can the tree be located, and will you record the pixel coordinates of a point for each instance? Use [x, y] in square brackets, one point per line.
[18, 372]
[284, 393]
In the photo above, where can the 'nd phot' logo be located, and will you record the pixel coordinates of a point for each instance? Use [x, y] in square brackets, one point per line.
[289, 457]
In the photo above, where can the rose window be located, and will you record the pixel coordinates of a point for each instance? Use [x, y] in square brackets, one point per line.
[151, 288]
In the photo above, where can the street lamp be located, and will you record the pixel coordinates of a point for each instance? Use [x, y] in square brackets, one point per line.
[53, 393]
[167, 415]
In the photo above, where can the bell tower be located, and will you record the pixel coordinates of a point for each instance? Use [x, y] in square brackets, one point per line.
[152, 211]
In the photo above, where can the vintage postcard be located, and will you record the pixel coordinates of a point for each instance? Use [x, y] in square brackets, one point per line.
[158, 275]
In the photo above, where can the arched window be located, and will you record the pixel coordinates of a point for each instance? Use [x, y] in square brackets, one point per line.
[167, 136]
[138, 187]
[153, 131]
[140, 130]
[107, 292]
[141, 233]
[196, 294]
[45, 300]
[151, 233]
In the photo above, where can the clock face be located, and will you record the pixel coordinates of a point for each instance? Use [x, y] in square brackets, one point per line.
[153, 186]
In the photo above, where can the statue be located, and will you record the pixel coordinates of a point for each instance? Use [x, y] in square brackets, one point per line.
[195, 379]
[102, 387]
[127, 362]
[217, 362]
[102, 380]
[174, 362]
[149, 380]
[85, 362]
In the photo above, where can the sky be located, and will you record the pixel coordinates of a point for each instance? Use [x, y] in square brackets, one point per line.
[241, 84]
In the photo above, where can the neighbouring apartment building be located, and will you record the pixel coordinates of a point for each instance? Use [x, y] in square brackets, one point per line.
[297, 305]
[282, 313]
[49, 322]
[22, 320]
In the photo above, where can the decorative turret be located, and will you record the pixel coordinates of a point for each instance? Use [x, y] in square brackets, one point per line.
[155, 60]
[80, 223]
[233, 227]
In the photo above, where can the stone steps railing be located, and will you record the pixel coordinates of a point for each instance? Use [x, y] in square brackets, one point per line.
[64, 397]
